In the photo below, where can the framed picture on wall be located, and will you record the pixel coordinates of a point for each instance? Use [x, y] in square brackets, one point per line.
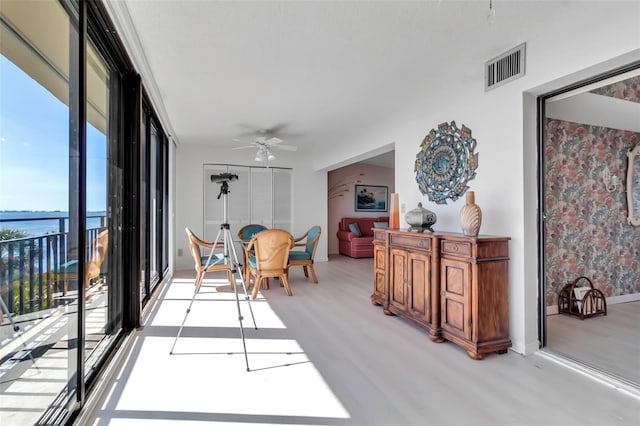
[371, 198]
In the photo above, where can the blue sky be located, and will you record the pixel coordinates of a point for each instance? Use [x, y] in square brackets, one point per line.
[34, 148]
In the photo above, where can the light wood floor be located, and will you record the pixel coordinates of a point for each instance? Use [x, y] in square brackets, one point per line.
[326, 356]
[610, 343]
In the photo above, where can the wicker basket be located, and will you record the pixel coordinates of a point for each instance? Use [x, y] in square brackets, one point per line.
[579, 298]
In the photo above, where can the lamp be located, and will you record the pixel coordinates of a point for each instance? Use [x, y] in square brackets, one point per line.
[264, 154]
[491, 14]
[611, 182]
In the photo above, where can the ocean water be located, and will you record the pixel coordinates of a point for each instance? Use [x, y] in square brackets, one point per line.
[42, 223]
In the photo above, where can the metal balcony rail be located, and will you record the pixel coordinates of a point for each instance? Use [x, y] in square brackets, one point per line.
[33, 268]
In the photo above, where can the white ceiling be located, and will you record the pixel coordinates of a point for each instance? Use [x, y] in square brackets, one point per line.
[323, 71]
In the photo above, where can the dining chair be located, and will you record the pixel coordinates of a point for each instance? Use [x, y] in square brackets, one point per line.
[201, 250]
[305, 256]
[94, 265]
[68, 271]
[245, 234]
[267, 256]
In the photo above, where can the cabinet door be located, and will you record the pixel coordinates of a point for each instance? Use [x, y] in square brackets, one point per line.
[239, 198]
[455, 297]
[261, 197]
[397, 278]
[282, 199]
[378, 270]
[419, 288]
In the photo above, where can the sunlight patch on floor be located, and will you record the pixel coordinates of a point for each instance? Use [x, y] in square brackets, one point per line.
[201, 376]
[215, 305]
[204, 379]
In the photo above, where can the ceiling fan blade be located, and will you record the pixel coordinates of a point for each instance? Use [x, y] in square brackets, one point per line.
[244, 147]
[273, 141]
[252, 130]
[276, 129]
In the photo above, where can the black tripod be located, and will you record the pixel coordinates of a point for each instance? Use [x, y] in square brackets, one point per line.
[230, 260]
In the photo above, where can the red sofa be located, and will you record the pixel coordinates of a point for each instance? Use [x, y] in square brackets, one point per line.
[353, 246]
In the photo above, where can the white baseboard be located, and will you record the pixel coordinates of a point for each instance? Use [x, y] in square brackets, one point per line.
[623, 299]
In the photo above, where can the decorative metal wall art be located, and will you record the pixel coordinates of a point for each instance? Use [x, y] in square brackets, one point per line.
[446, 162]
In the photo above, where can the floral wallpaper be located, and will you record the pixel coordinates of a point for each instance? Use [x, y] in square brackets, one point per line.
[586, 232]
[629, 90]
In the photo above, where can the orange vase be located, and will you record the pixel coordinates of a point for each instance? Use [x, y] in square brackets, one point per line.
[394, 211]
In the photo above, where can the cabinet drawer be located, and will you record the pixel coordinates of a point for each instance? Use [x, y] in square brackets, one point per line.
[411, 242]
[458, 248]
[379, 236]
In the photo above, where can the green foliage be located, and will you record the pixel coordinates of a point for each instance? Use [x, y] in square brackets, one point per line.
[11, 234]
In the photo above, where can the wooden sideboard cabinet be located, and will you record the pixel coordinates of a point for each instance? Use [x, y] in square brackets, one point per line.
[453, 286]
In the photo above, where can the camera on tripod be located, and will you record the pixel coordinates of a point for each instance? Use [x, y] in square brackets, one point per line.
[224, 177]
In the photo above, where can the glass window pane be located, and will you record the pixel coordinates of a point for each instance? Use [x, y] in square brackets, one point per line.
[154, 207]
[102, 311]
[38, 190]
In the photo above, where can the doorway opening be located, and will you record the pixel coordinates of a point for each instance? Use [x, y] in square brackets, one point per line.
[585, 134]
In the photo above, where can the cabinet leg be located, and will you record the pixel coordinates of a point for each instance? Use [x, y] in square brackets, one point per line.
[436, 339]
[502, 351]
[388, 312]
[475, 355]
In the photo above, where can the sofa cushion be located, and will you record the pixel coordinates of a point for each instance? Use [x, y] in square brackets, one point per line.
[353, 227]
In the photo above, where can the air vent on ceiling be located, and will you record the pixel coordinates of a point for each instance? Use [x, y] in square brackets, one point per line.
[504, 68]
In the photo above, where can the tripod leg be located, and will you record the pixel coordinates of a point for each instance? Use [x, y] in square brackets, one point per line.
[231, 260]
[244, 286]
[244, 345]
[183, 321]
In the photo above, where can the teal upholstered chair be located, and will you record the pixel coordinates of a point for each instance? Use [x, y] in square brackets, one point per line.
[247, 231]
[304, 257]
[245, 234]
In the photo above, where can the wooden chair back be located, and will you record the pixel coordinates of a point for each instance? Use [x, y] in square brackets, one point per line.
[268, 256]
[196, 245]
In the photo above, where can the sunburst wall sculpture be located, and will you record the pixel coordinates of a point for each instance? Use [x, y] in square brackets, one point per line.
[446, 162]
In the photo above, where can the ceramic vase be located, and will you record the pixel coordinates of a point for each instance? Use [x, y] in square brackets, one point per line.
[470, 216]
[394, 211]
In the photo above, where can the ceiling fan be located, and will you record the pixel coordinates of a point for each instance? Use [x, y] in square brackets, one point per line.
[264, 143]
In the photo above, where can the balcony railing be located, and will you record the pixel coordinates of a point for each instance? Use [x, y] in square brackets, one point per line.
[32, 268]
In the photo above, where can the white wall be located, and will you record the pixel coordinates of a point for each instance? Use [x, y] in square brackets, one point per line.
[574, 44]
